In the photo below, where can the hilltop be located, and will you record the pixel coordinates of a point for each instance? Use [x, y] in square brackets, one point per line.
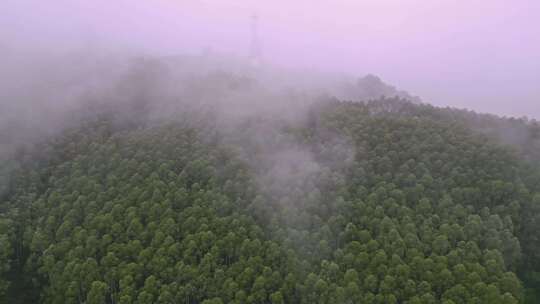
[219, 188]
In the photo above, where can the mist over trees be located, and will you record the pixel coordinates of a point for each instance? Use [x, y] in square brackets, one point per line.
[196, 179]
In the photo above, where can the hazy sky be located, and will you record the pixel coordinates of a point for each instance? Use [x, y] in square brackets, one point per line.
[478, 54]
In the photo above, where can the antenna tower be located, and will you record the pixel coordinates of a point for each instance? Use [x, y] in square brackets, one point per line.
[255, 53]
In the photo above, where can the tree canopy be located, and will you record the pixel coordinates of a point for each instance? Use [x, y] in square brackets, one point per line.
[378, 202]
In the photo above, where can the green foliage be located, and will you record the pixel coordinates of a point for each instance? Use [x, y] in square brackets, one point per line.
[406, 205]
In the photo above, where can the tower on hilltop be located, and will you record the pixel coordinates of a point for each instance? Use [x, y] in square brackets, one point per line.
[255, 52]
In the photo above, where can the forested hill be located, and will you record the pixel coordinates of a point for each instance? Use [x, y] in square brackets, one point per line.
[377, 202]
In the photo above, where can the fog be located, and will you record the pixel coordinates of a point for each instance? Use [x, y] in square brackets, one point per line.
[131, 65]
[480, 55]
[163, 57]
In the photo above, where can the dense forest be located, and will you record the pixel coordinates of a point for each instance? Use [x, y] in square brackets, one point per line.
[383, 201]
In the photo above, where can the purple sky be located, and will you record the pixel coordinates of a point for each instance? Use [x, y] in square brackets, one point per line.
[479, 54]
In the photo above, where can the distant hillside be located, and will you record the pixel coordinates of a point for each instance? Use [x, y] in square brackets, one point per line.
[372, 87]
